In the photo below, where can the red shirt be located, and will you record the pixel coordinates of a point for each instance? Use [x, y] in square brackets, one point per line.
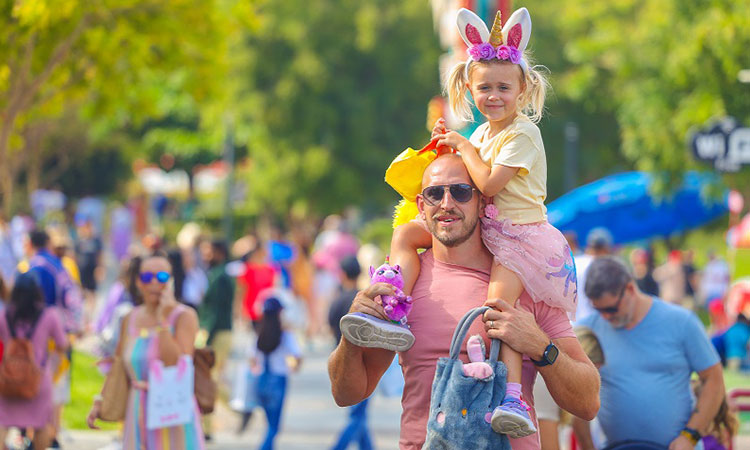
[256, 278]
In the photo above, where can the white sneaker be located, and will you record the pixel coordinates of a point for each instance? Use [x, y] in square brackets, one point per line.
[364, 330]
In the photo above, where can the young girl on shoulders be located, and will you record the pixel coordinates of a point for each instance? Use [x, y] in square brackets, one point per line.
[506, 160]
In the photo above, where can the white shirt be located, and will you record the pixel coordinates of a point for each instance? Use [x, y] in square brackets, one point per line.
[277, 359]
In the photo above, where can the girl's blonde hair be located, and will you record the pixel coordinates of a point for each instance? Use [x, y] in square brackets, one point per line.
[534, 85]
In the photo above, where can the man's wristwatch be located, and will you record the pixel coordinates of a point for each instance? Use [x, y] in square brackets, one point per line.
[548, 357]
[691, 434]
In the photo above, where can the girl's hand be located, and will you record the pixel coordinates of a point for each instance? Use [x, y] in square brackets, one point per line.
[452, 139]
[439, 128]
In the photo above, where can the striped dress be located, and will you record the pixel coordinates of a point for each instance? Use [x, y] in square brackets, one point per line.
[140, 349]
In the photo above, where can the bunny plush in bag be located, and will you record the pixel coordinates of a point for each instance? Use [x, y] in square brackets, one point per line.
[464, 395]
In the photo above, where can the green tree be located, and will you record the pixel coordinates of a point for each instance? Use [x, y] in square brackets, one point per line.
[330, 92]
[659, 67]
[107, 60]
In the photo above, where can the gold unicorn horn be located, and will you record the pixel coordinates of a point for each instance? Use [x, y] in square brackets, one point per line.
[496, 35]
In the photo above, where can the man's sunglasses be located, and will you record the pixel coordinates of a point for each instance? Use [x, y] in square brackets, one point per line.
[460, 192]
[614, 308]
[161, 277]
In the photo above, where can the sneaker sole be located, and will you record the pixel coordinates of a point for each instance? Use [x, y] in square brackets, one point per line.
[373, 333]
[512, 425]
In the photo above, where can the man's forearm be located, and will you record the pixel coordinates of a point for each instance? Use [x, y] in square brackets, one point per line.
[573, 380]
[355, 371]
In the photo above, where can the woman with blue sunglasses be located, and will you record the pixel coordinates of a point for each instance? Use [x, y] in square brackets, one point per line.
[160, 328]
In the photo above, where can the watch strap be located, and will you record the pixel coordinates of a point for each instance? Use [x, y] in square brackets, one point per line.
[545, 359]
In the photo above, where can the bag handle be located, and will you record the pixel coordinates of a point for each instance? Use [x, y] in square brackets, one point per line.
[462, 329]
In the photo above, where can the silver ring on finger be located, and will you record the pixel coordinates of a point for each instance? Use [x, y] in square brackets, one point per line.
[491, 323]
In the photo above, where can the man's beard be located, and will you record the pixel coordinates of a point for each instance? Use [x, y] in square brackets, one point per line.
[460, 236]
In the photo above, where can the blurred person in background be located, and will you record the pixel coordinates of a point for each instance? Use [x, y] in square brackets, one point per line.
[215, 314]
[589, 435]
[274, 348]
[8, 260]
[258, 275]
[356, 430]
[60, 361]
[28, 317]
[196, 282]
[643, 272]
[178, 273]
[121, 298]
[691, 278]
[332, 245]
[652, 349]
[671, 278]
[732, 345]
[88, 251]
[158, 329]
[598, 243]
[715, 279]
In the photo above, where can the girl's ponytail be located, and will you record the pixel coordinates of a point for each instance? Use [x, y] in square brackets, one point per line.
[455, 88]
[532, 100]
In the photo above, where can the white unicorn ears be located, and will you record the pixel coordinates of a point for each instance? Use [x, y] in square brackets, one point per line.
[515, 33]
[517, 30]
[473, 29]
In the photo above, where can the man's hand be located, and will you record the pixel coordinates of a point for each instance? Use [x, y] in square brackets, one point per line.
[439, 128]
[368, 300]
[515, 327]
[681, 443]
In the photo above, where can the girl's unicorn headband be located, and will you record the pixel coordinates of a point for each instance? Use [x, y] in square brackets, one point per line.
[506, 43]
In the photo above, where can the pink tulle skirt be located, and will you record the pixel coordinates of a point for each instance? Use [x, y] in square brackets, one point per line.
[539, 254]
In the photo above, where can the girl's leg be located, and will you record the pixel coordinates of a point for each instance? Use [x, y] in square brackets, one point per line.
[511, 417]
[406, 240]
[506, 285]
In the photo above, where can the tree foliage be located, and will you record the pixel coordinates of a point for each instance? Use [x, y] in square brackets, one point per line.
[329, 93]
[659, 67]
[109, 59]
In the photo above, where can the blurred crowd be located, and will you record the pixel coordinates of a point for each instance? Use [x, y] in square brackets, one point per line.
[93, 281]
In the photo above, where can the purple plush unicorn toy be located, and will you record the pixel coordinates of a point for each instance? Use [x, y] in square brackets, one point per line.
[396, 306]
[393, 334]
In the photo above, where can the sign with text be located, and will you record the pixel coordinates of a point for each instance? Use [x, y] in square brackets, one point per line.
[724, 144]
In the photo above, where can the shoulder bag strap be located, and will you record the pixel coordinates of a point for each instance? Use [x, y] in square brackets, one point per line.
[462, 329]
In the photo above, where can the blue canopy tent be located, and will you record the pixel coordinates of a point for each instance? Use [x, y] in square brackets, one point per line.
[623, 204]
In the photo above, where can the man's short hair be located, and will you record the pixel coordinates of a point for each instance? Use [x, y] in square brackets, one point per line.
[39, 239]
[606, 275]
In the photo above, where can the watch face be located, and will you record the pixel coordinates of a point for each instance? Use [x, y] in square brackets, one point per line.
[551, 353]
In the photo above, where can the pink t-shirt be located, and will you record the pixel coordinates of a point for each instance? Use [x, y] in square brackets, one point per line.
[442, 295]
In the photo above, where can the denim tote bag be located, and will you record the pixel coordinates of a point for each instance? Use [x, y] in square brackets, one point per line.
[461, 406]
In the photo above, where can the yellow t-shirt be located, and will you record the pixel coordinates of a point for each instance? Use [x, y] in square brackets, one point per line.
[519, 145]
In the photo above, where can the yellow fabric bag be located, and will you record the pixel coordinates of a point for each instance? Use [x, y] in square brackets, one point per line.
[405, 172]
[405, 176]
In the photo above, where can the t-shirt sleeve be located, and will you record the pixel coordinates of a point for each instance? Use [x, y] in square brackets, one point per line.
[519, 152]
[552, 320]
[698, 348]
